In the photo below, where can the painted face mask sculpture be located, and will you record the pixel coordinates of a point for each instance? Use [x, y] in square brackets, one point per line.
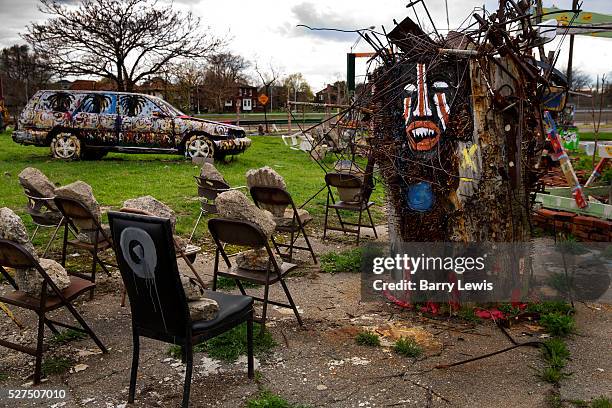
[426, 110]
[423, 101]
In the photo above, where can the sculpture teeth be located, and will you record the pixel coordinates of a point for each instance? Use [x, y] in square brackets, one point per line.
[420, 133]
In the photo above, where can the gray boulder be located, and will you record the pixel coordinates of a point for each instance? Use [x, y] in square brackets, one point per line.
[234, 204]
[210, 172]
[200, 307]
[81, 192]
[29, 280]
[267, 177]
[35, 180]
[256, 259]
[192, 289]
[203, 309]
[152, 206]
[13, 229]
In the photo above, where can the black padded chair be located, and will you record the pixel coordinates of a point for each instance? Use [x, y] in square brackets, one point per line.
[294, 224]
[145, 253]
[246, 234]
[359, 203]
[13, 255]
[73, 210]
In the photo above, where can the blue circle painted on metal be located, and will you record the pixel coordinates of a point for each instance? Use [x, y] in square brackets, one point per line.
[420, 197]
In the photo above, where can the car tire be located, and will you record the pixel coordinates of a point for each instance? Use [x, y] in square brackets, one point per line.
[199, 146]
[91, 154]
[66, 146]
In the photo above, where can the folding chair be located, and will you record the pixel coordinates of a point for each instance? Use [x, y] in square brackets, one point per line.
[208, 190]
[247, 234]
[13, 255]
[73, 210]
[147, 261]
[44, 214]
[359, 205]
[291, 223]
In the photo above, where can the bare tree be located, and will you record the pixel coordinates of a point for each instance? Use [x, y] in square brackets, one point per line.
[188, 79]
[268, 78]
[223, 74]
[122, 40]
[22, 73]
[296, 85]
[580, 79]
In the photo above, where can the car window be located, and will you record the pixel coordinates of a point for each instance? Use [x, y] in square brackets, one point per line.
[136, 105]
[59, 101]
[165, 105]
[99, 103]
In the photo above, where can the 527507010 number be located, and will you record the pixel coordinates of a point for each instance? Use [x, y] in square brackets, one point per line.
[34, 394]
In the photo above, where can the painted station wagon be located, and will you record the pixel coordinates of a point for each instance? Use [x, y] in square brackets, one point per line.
[88, 124]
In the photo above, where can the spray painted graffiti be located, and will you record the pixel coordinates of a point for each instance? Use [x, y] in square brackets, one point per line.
[121, 121]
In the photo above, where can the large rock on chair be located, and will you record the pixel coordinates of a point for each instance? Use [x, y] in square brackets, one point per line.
[83, 193]
[235, 205]
[29, 280]
[268, 177]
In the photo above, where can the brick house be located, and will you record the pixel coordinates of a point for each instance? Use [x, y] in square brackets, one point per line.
[247, 96]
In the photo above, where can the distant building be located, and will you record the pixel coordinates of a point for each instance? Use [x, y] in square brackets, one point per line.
[246, 95]
[332, 94]
[156, 86]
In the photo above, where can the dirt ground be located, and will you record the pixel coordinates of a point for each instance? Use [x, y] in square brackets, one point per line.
[319, 364]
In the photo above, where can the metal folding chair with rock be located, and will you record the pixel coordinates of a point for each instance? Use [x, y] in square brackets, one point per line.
[269, 192]
[40, 285]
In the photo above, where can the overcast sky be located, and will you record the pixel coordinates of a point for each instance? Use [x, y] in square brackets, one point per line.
[266, 30]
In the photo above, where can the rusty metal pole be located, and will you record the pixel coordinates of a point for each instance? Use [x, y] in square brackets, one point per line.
[539, 12]
[571, 52]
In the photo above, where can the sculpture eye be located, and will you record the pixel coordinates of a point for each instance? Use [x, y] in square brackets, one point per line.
[440, 85]
[410, 88]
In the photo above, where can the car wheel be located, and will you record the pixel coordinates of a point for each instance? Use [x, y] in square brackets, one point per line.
[90, 154]
[199, 146]
[66, 146]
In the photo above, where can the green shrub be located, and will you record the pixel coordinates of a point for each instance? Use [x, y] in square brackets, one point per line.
[552, 375]
[558, 324]
[407, 347]
[225, 283]
[553, 400]
[601, 402]
[467, 313]
[267, 399]
[56, 365]
[345, 261]
[556, 306]
[555, 352]
[231, 344]
[67, 336]
[367, 338]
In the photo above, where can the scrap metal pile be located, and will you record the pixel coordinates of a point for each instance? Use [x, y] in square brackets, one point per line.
[457, 123]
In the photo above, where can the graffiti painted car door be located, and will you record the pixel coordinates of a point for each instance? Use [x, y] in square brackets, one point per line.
[140, 125]
[96, 119]
[55, 109]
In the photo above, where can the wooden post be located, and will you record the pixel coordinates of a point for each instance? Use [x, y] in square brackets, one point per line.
[289, 115]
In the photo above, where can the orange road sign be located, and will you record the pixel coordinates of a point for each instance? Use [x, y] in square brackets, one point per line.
[263, 99]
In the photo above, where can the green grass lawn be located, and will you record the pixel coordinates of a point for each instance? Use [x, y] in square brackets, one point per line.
[590, 136]
[168, 178]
